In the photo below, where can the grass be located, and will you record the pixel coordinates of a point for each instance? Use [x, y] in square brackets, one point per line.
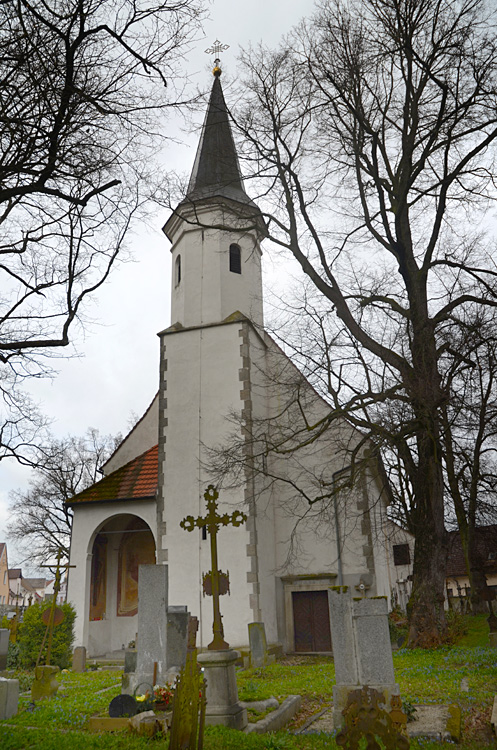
[424, 676]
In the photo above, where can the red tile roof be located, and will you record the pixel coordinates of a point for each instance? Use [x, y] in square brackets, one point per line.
[136, 480]
[486, 548]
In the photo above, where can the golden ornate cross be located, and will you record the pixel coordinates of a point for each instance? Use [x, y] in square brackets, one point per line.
[212, 521]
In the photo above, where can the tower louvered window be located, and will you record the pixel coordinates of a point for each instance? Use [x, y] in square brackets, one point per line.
[177, 273]
[235, 259]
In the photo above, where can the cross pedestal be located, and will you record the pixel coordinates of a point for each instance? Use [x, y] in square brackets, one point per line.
[222, 694]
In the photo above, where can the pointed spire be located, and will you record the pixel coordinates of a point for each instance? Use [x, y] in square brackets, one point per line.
[216, 171]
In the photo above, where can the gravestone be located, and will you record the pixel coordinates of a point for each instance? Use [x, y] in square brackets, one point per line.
[9, 697]
[162, 634]
[152, 625]
[4, 647]
[130, 660]
[177, 636]
[122, 705]
[258, 644]
[79, 659]
[361, 649]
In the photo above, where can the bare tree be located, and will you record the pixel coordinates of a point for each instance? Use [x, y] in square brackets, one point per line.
[84, 87]
[41, 521]
[470, 442]
[372, 132]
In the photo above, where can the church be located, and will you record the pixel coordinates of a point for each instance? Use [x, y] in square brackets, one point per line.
[230, 399]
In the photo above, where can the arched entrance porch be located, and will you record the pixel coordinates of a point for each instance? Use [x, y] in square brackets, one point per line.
[117, 548]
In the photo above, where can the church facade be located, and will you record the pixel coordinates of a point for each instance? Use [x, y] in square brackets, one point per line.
[230, 402]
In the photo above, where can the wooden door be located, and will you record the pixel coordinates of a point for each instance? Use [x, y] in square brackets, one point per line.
[311, 621]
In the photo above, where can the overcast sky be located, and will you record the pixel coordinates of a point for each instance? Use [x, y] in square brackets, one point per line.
[116, 372]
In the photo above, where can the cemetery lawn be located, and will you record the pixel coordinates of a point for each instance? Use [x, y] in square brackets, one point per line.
[424, 676]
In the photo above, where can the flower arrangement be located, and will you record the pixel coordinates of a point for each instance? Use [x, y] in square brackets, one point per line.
[164, 694]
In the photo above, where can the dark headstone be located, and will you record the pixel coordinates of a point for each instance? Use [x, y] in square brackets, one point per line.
[4, 647]
[130, 661]
[122, 705]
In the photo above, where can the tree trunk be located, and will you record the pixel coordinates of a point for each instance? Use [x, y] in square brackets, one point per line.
[427, 621]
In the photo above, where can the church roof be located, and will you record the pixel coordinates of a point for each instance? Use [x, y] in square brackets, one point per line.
[216, 171]
[136, 480]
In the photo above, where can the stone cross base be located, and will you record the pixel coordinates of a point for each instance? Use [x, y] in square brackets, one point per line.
[45, 684]
[342, 692]
[222, 694]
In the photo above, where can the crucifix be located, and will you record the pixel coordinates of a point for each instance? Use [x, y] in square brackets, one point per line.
[212, 521]
[55, 614]
[216, 48]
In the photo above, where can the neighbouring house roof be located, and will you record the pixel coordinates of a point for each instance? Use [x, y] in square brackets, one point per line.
[34, 583]
[136, 480]
[486, 548]
[15, 573]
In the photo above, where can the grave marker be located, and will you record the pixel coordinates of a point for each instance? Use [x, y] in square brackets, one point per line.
[258, 644]
[363, 656]
[4, 647]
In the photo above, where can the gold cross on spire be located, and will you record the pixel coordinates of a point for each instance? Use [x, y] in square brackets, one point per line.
[216, 49]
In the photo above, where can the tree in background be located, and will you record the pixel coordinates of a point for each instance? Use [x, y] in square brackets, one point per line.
[372, 131]
[84, 89]
[41, 521]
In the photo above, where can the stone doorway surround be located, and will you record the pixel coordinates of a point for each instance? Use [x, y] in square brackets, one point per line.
[307, 582]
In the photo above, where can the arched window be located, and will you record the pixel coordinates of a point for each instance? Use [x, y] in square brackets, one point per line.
[235, 259]
[177, 271]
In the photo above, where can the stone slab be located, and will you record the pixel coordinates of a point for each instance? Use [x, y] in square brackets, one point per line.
[435, 721]
[107, 724]
[9, 697]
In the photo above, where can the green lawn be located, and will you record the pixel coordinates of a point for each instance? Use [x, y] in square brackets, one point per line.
[424, 677]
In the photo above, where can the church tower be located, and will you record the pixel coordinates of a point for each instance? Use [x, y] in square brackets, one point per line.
[215, 232]
[216, 305]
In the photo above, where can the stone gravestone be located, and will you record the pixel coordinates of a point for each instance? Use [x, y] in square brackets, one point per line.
[162, 634]
[177, 637]
[79, 659]
[9, 697]
[258, 644]
[152, 625]
[4, 647]
[361, 649]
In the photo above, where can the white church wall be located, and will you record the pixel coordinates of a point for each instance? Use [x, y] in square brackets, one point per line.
[142, 437]
[201, 385]
[263, 541]
[110, 633]
[299, 549]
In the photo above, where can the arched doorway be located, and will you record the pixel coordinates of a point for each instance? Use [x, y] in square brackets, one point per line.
[119, 546]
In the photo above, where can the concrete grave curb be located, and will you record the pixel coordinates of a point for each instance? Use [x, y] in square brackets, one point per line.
[277, 719]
